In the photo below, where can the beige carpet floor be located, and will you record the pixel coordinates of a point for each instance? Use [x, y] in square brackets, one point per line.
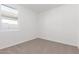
[40, 46]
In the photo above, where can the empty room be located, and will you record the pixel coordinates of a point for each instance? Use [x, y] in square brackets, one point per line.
[39, 28]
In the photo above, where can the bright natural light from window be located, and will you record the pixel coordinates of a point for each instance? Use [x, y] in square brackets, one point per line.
[8, 9]
[9, 17]
[9, 21]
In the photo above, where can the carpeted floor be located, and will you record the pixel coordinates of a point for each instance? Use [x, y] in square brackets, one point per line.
[40, 46]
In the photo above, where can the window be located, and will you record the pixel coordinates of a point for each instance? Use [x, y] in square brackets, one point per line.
[9, 17]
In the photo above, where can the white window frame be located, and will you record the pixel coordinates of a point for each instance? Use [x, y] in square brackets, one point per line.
[13, 22]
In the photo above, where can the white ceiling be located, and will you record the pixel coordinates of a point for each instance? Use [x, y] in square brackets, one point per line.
[38, 7]
[41, 7]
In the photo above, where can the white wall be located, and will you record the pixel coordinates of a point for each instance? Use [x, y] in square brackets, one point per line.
[60, 24]
[27, 29]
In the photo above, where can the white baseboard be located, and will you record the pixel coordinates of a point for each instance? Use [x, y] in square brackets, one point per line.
[59, 41]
